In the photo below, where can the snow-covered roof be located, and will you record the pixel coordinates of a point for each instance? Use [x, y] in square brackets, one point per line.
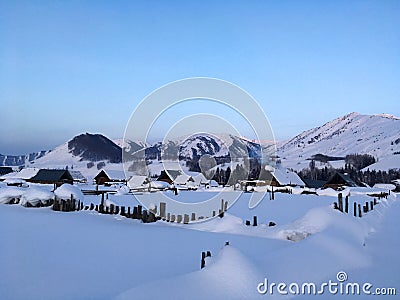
[159, 184]
[286, 177]
[213, 183]
[200, 179]
[26, 173]
[115, 174]
[138, 181]
[183, 179]
[77, 175]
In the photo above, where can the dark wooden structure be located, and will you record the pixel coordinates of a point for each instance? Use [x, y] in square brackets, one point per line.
[48, 176]
[169, 176]
[339, 180]
[314, 184]
[5, 170]
[104, 177]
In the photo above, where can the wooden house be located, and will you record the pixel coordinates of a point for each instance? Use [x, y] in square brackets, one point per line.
[5, 170]
[169, 176]
[110, 176]
[56, 177]
[339, 180]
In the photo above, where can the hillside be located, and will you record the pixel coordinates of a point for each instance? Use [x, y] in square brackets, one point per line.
[377, 135]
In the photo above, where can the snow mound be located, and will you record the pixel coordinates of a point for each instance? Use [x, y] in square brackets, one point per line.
[66, 190]
[332, 192]
[314, 221]
[13, 180]
[34, 195]
[10, 195]
[230, 275]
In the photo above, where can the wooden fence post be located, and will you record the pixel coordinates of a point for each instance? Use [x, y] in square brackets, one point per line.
[359, 210]
[185, 219]
[162, 209]
[340, 201]
[254, 220]
[203, 260]
[193, 217]
[346, 207]
[355, 209]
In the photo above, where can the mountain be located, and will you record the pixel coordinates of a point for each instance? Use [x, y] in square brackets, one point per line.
[95, 147]
[377, 135]
[20, 160]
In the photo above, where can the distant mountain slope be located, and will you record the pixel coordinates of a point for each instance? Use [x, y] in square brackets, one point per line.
[377, 135]
[20, 160]
[95, 147]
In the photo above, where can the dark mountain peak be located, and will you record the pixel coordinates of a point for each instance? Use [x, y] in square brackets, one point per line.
[95, 147]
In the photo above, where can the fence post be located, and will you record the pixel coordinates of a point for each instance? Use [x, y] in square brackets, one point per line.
[185, 219]
[340, 201]
[359, 210]
[355, 209]
[162, 209]
[193, 217]
[203, 260]
[254, 220]
[179, 218]
[346, 207]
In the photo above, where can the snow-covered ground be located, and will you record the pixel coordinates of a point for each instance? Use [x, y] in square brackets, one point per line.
[84, 255]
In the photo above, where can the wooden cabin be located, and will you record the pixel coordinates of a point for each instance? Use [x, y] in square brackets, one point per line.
[339, 180]
[56, 177]
[110, 176]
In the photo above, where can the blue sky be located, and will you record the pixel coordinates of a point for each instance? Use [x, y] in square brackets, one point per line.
[68, 67]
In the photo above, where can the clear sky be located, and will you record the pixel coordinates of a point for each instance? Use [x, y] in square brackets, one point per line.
[68, 67]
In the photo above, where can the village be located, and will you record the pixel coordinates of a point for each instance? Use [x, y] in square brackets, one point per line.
[33, 187]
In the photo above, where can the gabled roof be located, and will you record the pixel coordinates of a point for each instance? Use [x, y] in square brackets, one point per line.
[5, 170]
[52, 175]
[169, 175]
[286, 177]
[200, 179]
[138, 181]
[343, 179]
[77, 175]
[183, 179]
[315, 184]
[26, 173]
[112, 174]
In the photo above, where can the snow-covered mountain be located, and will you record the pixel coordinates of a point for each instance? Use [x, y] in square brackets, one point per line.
[20, 160]
[377, 135]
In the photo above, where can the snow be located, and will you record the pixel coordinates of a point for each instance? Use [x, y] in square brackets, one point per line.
[112, 257]
[34, 195]
[9, 193]
[286, 177]
[66, 190]
[138, 182]
[352, 133]
[14, 181]
[385, 186]
[115, 174]
[183, 179]
[26, 173]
